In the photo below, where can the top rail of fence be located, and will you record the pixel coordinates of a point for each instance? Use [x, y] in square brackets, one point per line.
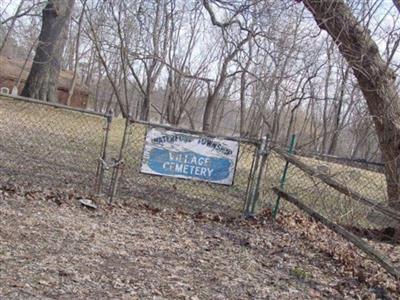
[55, 105]
[192, 131]
[351, 162]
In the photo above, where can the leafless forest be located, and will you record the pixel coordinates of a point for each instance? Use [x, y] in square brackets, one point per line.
[324, 70]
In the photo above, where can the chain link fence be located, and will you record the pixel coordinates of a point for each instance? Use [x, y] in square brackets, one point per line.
[47, 145]
[332, 202]
[51, 145]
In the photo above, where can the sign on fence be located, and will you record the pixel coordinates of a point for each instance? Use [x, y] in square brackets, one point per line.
[182, 155]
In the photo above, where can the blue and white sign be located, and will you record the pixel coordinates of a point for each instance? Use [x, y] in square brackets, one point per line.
[182, 155]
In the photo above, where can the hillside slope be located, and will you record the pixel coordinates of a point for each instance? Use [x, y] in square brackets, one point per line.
[51, 247]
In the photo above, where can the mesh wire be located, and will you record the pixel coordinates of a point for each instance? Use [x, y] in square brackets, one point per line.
[44, 145]
[376, 228]
[323, 198]
[48, 146]
[185, 194]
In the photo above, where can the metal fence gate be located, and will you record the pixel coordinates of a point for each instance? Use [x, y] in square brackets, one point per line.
[121, 169]
[52, 145]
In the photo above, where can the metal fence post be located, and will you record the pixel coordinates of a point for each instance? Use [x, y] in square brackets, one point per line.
[119, 162]
[103, 153]
[254, 185]
[250, 181]
[283, 178]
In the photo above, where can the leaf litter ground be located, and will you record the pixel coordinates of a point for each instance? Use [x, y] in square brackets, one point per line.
[51, 247]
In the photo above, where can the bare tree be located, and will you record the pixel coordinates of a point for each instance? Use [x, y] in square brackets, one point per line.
[214, 91]
[77, 45]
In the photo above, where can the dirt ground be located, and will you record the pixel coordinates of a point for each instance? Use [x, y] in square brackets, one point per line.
[51, 247]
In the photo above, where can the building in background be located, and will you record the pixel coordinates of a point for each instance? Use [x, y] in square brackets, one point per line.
[11, 69]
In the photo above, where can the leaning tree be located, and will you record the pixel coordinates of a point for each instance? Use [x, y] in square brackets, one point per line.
[42, 79]
[375, 78]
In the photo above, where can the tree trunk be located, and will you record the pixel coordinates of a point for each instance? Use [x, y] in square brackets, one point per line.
[397, 4]
[325, 119]
[18, 81]
[43, 77]
[145, 110]
[338, 114]
[76, 63]
[208, 110]
[376, 81]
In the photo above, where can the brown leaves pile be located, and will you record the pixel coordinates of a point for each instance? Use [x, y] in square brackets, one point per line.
[51, 246]
[354, 261]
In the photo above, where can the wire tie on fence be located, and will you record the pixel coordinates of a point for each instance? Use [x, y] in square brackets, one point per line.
[263, 152]
[117, 163]
[104, 163]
